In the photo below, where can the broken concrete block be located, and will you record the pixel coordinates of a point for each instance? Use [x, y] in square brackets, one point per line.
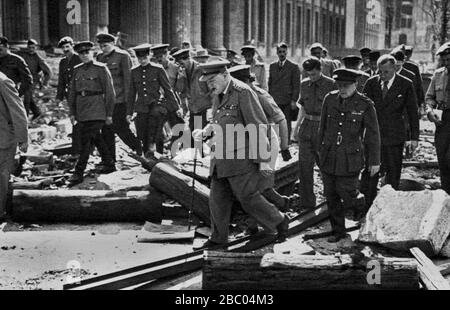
[403, 220]
[42, 133]
[445, 252]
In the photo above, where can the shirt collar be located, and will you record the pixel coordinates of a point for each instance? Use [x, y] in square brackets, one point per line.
[391, 81]
[282, 63]
[227, 88]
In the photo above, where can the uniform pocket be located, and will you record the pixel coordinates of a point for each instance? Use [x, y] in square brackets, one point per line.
[355, 159]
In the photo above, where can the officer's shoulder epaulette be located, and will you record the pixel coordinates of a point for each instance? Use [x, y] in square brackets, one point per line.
[156, 65]
[306, 80]
[259, 90]
[121, 51]
[78, 66]
[240, 86]
[135, 68]
[334, 92]
[99, 64]
[365, 74]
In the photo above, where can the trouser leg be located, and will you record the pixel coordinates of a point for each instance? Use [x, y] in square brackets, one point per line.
[88, 132]
[287, 111]
[220, 205]
[122, 128]
[246, 191]
[103, 148]
[275, 198]
[442, 143]
[392, 161]
[335, 207]
[307, 159]
[141, 123]
[6, 168]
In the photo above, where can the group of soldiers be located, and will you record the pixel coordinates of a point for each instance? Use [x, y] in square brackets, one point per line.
[353, 118]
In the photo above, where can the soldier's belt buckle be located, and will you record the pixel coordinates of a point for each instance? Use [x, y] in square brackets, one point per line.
[339, 140]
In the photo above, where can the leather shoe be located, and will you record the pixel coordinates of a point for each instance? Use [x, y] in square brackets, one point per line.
[336, 238]
[283, 229]
[106, 169]
[207, 245]
[76, 179]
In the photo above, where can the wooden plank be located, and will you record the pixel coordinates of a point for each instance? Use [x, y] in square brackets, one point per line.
[444, 269]
[430, 275]
[153, 271]
[237, 271]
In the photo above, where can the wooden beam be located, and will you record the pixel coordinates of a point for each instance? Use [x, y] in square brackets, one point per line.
[236, 271]
[430, 275]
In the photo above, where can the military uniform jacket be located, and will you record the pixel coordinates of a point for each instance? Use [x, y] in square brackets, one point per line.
[37, 64]
[13, 118]
[259, 69]
[15, 68]
[362, 80]
[390, 111]
[328, 67]
[66, 67]
[91, 94]
[119, 64]
[239, 106]
[272, 111]
[284, 84]
[145, 89]
[347, 125]
[414, 68]
[195, 91]
[437, 95]
[313, 94]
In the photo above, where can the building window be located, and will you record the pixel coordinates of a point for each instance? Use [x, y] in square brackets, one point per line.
[262, 21]
[316, 25]
[248, 20]
[343, 33]
[299, 27]
[338, 30]
[331, 31]
[288, 23]
[324, 28]
[276, 12]
[308, 26]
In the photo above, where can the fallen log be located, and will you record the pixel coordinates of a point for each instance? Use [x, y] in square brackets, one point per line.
[237, 271]
[430, 275]
[88, 206]
[178, 186]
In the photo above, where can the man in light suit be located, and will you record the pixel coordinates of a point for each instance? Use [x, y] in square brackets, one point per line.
[392, 94]
[13, 133]
[284, 84]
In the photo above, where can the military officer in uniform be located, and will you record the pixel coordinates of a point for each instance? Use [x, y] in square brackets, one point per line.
[15, 68]
[256, 67]
[313, 90]
[276, 117]
[236, 104]
[353, 62]
[373, 63]
[232, 57]
[438, 102]
[365, 55]
[147, 100]
[328, 65]
[66, 68]
[91, 102]
[119, 64]
[348, 123]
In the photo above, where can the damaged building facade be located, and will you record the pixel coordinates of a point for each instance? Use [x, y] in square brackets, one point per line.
[216, 25]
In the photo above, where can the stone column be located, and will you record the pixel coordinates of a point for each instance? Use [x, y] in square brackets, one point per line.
[214, 21]
[98, 17]
[17, 19]
[269, 28]
[74, 19]
[254, 6]
[234, 24]
[196, 23]
[155, 21]
[180, 27]
[135, 22]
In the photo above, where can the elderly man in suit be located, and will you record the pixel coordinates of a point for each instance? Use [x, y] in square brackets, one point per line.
[392, 94]
[13, 133]
[284, 84]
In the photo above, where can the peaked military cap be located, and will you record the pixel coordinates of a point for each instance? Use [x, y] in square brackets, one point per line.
[213, 68]
[248, 48]
[399, 55]
[365, 51]
[159, 49]
[83, 46]
[374, 55]
[444, 49]
[316, 45]
[142, 50]
[311, 63]
[32, 42]
[240, 72]
[182, 54]
[202, 54]
[351, 60]
[105, 38]
[346, 75]
[64, 41]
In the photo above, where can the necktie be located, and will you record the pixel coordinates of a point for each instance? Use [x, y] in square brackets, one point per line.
[385, 89]
[280, 66]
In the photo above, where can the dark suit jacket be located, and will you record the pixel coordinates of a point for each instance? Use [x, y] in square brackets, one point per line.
[410, 76]
[66, 67]
[284, 85]
[390, 111]
[409, 65]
